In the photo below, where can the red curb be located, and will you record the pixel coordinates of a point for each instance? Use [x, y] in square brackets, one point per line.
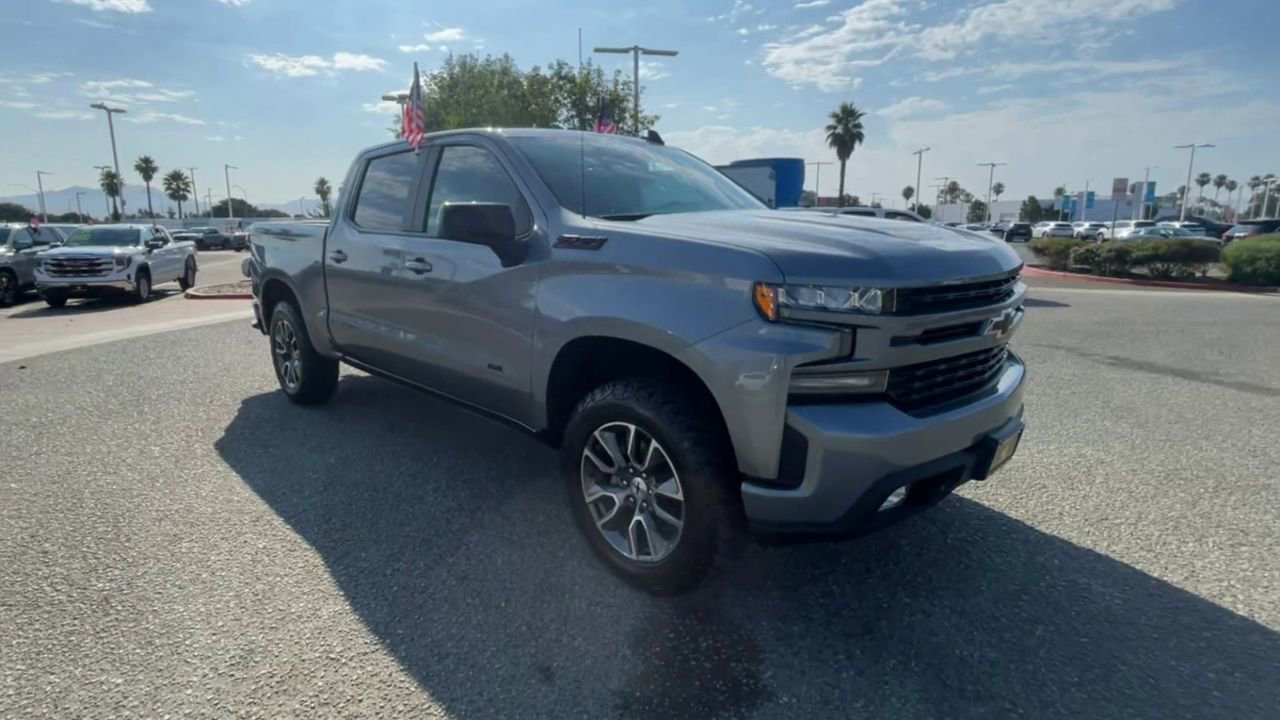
[1040, 272]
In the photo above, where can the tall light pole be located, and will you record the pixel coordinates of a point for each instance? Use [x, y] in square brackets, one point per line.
[79, 212]
[1190, 164]
[44, 213]
[400, 99]
[106, 201]
[115, 159]
[226, 172]
[636, 51]
[1140, 212]
[817, 181]
[919, 166]
[991, 177]
[195, 194]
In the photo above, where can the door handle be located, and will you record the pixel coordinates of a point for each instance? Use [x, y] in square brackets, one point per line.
[418, 265]
[338, 256]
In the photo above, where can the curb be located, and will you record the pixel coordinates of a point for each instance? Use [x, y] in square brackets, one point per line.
[200, 294]
[1248, 289]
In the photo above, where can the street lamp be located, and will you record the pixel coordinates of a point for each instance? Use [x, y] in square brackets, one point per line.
[195, 194]
[919, 165]
[226, 173]
[817, 181]
[991, 176]
[106, 201]
[1190, 164]
[111, 126]
[636, 51]
[44, 213]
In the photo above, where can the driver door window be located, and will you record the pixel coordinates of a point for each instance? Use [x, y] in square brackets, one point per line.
[467, 173]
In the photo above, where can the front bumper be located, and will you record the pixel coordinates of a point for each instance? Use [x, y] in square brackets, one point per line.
[83, 287]
[853, 456]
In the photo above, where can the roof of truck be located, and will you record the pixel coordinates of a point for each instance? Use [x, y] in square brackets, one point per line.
[516, 132]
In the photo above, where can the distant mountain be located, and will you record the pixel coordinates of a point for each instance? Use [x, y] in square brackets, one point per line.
[92, 202]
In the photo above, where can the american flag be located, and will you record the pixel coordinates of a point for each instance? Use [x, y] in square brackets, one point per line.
[604, 118]
[412, 123]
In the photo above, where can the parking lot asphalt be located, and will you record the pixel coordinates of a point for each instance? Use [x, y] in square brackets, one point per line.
[176, 539]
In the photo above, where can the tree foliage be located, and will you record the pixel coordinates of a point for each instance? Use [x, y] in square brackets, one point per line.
[13, 212]
[1031, 211]
[470, 91]
[977, 211]
[147, 169]
[844, 134]
[324, 190]
[177, 187]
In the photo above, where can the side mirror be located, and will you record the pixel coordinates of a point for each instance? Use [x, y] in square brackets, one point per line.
[154, 244]
[489, 224]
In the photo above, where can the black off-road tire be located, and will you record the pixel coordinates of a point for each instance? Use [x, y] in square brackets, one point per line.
[714, 526]
[9, 288]
[317, 379]
[55, 299]
[188, 279]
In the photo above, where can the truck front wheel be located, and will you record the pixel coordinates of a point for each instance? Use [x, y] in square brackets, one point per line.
[650, 486]
[306, 376]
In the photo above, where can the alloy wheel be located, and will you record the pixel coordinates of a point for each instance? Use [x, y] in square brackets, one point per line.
[284, 345]
[633, 492]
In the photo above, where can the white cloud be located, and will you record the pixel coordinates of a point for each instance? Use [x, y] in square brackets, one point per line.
[95, 23]
[17, 104]
[827, 57]
[148, 118]
[422, 47]
[993, 89]
[307, 65]
[652, 70]
[120, 6]
[234, 3]
[1024, 20]
[813, 3]
[444, 35]
[357, 62]
[65, 115]
[215, 138]
[130, 92]
[912, 106]
[740, 9]
[382, 107]
[764, 27]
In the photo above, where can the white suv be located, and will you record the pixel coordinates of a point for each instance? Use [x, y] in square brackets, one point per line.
[1122, 230]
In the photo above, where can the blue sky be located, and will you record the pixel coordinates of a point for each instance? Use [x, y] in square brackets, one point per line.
[1063, 91]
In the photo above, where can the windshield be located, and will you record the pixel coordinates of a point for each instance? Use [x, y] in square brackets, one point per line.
[85, 237]
[629, 180]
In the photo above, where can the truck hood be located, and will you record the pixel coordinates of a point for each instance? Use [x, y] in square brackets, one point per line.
[91, 250]
[817, 248]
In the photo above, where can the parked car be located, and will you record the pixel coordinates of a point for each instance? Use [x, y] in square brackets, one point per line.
[1158, 232]
[1191, 227]
[1018, 232]
[1249, 228]
[1038, 229]
[688, 349]
[1087, 230]
[239, 240]
[122, 260]
[1057, 229]
[62, 229]
[19, 245]
[1211, 227]
[204, 238]
[1122, 229]
[861, 211]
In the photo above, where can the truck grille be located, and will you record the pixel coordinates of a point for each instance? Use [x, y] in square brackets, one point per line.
[935, 382]
[77, 267]
[948, 298]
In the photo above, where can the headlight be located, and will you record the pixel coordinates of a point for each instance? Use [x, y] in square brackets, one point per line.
[775, 301]
[122, 261]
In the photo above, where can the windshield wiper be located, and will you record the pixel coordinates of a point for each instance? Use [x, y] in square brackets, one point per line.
[625, 216]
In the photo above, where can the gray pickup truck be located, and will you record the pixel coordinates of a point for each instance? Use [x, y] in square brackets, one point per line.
[708, 366]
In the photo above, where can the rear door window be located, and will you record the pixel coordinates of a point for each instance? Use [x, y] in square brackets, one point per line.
[383, 201]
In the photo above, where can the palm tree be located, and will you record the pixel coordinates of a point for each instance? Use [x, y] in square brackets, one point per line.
[844, 133]
[997, 190]
[1202, 180]
[177, 187]
[1219, 182]
[147, 169]
[324, 190]
[1231, 186]
[110, 182]
[907, 193]
[952, 191]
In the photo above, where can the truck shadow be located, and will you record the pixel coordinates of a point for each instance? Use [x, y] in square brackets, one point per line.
[34, 307]
[449, 536]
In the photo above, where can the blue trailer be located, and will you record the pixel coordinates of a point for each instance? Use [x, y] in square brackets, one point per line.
[779, 182]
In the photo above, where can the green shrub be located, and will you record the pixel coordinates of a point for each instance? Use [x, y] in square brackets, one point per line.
[1174, 257]
[1089, 256]
[1054, 251]
[1117, 257]
[1254, 261]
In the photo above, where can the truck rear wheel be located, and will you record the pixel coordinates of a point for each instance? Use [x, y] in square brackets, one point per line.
[306, 376]
[650, 486]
